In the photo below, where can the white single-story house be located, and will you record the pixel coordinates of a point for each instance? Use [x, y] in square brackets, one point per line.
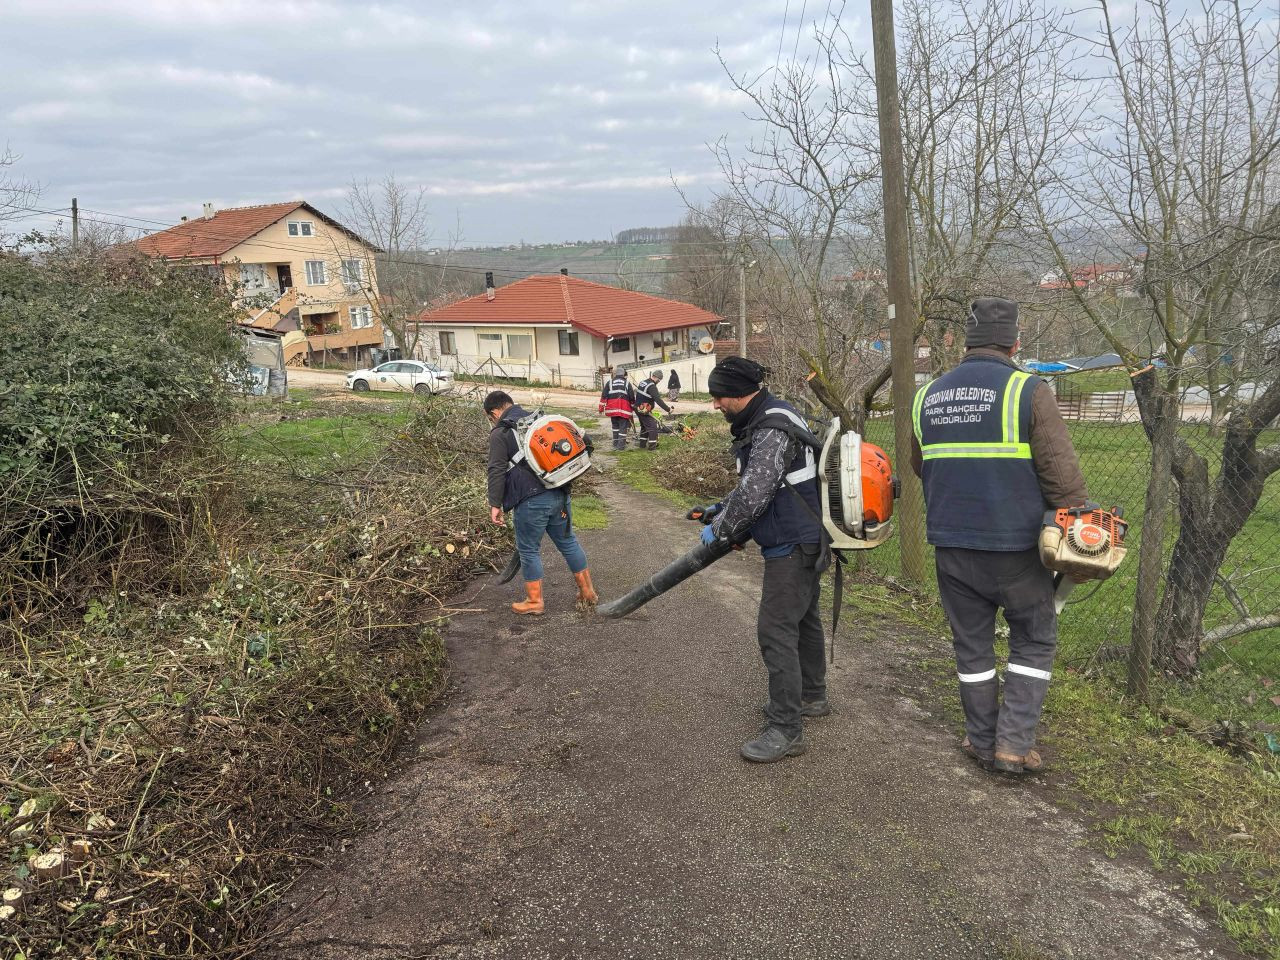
[563, 330]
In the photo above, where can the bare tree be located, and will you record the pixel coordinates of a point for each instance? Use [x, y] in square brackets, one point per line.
[706, 251]
[1178, 177]
[394, 218]
[18, 195]
[795, 190]
[989, 107]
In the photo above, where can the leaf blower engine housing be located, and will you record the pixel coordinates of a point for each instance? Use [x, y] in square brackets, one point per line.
[1083, 541]
[553, 447]
[858, 489]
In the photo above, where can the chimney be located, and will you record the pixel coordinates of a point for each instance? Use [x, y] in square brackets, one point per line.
[488, 286]
[184, 219]
[564, 271]
[208, 211]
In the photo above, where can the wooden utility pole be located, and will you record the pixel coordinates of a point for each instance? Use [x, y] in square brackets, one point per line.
[742, 305]
[902, 319]
[75, 224]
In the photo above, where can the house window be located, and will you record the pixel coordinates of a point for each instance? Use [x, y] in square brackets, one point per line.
[361, 317]
[448, 343]
[316, 274]
[253, 277]
[301, 228]
[568, 343]
[490, 344]
[519, 345]
[352, 273]
[621, 345]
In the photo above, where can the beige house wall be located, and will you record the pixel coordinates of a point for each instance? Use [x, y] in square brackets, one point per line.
[274, 246]
[547, 364]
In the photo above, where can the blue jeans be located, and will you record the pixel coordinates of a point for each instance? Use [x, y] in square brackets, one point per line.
[546, 513]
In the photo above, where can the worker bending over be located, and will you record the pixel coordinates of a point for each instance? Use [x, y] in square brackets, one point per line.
[648, 396]
[776, 504]
[994, 454]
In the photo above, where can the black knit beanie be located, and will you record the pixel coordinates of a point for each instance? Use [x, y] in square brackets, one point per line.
[735, 377]
[993, 322]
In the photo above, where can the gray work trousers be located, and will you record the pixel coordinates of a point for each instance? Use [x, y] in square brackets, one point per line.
[621, 430]
[973, 585]
[790, 633]
[648, 431]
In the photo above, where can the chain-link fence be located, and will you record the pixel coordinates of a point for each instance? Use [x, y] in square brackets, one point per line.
[1218, 609]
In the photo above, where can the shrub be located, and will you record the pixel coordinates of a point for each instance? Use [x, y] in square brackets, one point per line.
[103, 363]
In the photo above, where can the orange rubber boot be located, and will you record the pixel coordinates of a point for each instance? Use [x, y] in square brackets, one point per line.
[534, 604]
[587, 596]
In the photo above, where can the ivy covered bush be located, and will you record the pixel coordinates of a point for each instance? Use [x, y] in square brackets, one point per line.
[108, 366]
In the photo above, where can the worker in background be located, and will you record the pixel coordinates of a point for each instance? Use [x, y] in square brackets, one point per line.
[994, 455]
[648, 396]
[617, 402]
[673, 386]
[776, 504]
[514, 489]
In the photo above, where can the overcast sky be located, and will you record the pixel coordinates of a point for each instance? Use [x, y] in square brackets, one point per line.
[527, 120]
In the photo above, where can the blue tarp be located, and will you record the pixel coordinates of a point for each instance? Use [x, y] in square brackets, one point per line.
[1071, 365]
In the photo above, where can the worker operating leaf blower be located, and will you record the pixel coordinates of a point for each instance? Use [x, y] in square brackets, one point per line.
[802, 501]
[532, 460]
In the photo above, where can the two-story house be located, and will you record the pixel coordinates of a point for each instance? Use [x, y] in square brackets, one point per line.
[293, 270]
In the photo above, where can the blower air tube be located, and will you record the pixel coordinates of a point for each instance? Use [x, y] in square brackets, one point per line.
[703, 555]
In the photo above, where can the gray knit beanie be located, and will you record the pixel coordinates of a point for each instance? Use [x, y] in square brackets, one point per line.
[992, 322]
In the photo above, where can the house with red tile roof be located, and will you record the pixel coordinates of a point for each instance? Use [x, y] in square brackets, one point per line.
[294, 271]
[561, 329]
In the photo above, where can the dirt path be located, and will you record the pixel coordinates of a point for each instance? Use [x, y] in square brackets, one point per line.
[580, 795]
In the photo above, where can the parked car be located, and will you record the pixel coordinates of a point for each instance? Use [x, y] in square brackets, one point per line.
[421, 378]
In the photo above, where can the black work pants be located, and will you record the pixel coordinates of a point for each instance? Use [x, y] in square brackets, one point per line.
[621, 430]
[790, 633]
[973, 585]
[648, 431]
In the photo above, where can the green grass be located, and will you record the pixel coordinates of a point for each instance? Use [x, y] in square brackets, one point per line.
[311, 443]
[589, 512]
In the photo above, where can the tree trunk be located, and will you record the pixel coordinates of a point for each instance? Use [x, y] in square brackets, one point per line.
[1209, 523]
[1157, 408]
[1150, 567]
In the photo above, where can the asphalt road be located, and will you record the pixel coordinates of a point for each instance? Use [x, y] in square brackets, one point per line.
[580, 794]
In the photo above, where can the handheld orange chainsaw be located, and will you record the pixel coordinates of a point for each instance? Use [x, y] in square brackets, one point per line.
[1084, 542]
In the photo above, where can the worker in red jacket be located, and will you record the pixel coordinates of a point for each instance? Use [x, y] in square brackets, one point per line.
[618, 402]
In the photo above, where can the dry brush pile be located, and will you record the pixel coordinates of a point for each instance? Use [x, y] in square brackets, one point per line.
[201, 674]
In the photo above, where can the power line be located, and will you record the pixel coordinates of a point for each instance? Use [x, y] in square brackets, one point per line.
[507, 272]
[782, 35]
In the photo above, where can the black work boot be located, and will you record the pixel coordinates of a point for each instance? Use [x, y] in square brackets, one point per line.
[773, 744]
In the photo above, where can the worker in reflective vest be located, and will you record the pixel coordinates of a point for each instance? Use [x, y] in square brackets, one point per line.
[648, 396]
[994, 454]
[617, 402]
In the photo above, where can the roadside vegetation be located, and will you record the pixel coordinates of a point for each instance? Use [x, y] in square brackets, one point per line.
[219, 615]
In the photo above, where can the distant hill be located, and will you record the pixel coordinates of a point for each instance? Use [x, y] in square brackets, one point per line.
[636, 266]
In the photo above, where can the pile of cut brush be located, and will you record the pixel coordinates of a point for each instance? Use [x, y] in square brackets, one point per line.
[173, 750]
[702, 465]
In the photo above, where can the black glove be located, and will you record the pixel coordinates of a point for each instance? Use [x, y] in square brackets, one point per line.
[705, 514]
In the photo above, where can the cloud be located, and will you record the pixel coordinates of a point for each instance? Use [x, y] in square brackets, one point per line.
[534, 118]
